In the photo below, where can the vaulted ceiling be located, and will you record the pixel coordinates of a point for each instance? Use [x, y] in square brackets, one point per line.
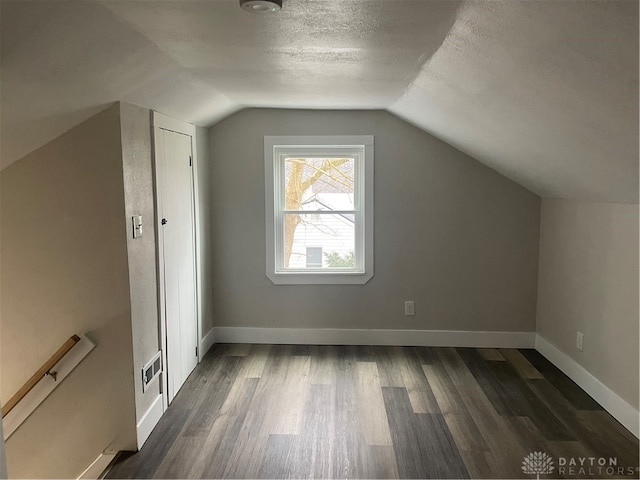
[545, 92]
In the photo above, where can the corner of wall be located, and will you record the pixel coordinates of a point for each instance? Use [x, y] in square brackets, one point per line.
[620, 409]
[3, 458]
[141, 252]
[67, 198]
[588, 283]
[204, 233]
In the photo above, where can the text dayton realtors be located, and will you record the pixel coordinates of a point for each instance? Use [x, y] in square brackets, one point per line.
[592, 466]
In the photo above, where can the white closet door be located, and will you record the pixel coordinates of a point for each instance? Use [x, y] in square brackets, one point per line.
[176, 211]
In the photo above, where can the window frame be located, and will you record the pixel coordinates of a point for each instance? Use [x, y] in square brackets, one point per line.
[277, 148]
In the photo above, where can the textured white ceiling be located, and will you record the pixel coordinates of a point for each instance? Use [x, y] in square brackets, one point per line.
[544, 92]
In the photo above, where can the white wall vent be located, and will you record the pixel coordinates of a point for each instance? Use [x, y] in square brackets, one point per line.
[151, 371]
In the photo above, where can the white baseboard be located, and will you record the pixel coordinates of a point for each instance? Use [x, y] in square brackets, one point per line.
[206, 343]
[95, 470]
[622, 411]
[149, 420]
[337, 336]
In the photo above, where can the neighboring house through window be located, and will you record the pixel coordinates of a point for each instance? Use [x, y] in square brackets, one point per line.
[319, 209]
[314, 257]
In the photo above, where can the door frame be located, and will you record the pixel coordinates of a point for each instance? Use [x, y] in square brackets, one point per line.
[159, 122]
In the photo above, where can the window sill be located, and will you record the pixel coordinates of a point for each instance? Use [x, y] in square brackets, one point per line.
[343, 278]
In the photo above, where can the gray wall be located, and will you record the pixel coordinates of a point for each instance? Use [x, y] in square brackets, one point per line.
[451, 234]
[588, 282]
[64, 271]
[204, 232]
[138, 197]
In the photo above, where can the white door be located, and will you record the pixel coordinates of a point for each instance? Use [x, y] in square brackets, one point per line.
[177, 257]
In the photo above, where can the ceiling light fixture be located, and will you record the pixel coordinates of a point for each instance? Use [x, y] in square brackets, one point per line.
[261, 6]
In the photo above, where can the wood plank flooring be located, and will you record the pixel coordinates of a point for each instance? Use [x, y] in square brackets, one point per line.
[292, 411]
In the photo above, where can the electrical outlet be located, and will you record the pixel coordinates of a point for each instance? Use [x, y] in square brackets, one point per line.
[579, 340]
[409, 308]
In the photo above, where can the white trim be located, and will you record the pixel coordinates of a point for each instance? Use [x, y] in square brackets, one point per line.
[196, 234]
[45, 386]
[619, 408]
[336, 336]
[162, 331]
[364, 177]
[168, 123]
[3, 457]
[206, 343]
[148, 421]
[99, 465]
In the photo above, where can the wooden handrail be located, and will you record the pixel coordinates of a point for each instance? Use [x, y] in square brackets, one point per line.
[36, 377]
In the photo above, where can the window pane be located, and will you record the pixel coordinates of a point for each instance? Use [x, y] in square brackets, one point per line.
[319, 183]
[319, 241]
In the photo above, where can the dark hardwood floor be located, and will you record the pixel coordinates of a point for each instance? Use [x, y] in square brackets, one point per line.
[287, 411]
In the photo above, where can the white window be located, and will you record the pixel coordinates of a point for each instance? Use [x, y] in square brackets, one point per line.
[319, 209]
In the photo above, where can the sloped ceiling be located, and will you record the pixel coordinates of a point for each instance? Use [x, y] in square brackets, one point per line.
[544, 92]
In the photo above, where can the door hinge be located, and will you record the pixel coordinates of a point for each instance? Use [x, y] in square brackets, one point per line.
[190, 160]
[196, 351]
